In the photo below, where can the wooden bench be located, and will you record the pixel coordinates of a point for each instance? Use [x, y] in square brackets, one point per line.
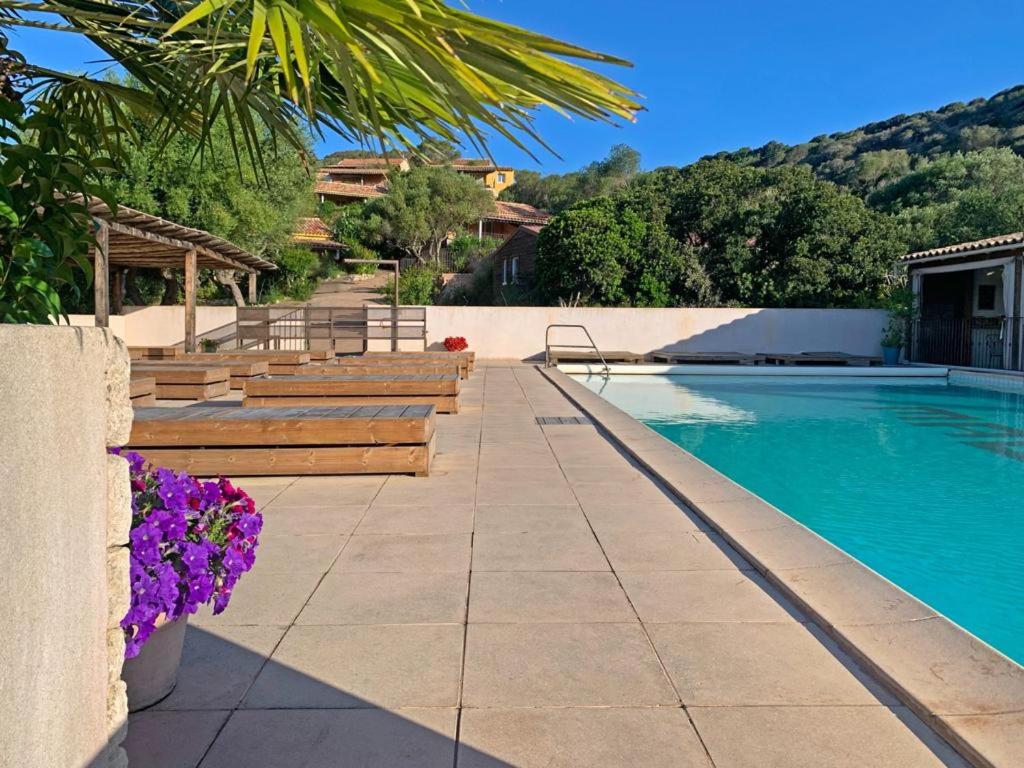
[281, 362]
[358, 366]
[241, 370]
[142, 391]
[154, 353]
[578, 356]
[706, 358]
[185, 382]
[439, 390]
[467, 358]
[211, 441]
[818, 358]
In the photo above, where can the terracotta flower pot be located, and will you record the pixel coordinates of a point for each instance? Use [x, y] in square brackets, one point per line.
[152, 675]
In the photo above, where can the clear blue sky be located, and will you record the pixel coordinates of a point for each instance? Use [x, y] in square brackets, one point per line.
[726, 74]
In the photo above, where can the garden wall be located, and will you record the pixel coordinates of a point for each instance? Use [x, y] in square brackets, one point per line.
[66, 513]
[161, 326]
[518, 332]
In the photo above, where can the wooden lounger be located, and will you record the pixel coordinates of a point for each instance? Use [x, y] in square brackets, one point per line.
[142, 391]
[583, 356]
[321, 354]
[850, 359]
[154, 353]
[439, 390]
[185, 382]
[287, 441]
[467, 355]
[241, 371]
[344, 368]
[706, 358]
[281, 362]
[814, 358]
[381, 364]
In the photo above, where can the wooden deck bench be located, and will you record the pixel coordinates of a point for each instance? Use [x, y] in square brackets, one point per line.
[467, 356]
[280, 362]
[362, 366]
[241, 371]
[819, 358]
[287, 441]
[142, 391]
[583, 356]
[154, 353]
[439, 390]
[706, 358]
[185, 382]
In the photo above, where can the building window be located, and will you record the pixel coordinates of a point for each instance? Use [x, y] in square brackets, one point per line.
[504, 271]
[986, 295]
[515, 270]
[501, 178]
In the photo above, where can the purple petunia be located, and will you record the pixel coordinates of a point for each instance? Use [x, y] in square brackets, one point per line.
[190, 541]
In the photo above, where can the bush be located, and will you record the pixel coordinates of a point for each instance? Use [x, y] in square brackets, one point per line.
[358, 251]
[467, 251]
[417, 286]
[294, 278]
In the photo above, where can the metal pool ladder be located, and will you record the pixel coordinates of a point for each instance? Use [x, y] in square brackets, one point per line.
[547, 346]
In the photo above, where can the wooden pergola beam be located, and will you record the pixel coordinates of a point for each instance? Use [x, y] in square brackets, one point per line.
[181, 245]
[190, 301]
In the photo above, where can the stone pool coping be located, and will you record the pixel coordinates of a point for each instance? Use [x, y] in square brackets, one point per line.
[969, 693]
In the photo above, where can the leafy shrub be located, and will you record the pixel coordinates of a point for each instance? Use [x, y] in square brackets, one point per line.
[190, 542]
[417, 286]
[467, 251]
[359, 251]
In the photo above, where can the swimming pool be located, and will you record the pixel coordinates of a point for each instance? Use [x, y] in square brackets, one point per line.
[920, 480]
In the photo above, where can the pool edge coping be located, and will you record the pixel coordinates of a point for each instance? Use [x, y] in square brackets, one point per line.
[974, 731]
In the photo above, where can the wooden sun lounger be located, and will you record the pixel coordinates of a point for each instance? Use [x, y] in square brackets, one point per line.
[241, 371]
[583, 356]
[154, 353]
[381, 365]
[142, 391]
[185, 382]
[468, 355]
[321, 354]
[377, 369]
[281, 362]
[439, 390]
[706, 358]
[814, 358]
[850, 359]
[287, 441]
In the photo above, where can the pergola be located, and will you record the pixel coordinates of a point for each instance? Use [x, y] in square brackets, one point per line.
[135, 239]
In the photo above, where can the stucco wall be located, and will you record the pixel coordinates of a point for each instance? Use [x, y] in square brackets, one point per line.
[518, 332]
[160, 326]
[66, 513]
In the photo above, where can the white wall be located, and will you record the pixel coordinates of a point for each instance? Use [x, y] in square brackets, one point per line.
[160, 326]
[518, 332]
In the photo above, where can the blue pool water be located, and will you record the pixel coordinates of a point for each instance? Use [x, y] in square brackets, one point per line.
[923, 482]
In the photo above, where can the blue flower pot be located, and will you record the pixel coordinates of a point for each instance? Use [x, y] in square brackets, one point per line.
[891, 355]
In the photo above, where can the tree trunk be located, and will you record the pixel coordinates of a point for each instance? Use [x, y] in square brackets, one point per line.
[131, 289]
[227, 278]
[171, 288]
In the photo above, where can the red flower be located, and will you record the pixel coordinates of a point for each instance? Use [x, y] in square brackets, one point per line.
[456, 343]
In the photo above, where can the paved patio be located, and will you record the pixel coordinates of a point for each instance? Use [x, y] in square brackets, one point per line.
[537, 601]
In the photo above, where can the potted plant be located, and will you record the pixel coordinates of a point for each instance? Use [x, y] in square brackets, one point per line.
[209, 345]
[902, 305]
[190, 542]
[456, 343]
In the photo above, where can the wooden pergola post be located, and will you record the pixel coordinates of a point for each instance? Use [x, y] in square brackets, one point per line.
[252, 288]
[190, 301]
[101, 275]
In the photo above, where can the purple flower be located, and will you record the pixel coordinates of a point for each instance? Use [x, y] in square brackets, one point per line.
[250, 524]
[200, 588]
[196, 557]
[145, 540]
[172, 523]
[172, 488]
[211, 495]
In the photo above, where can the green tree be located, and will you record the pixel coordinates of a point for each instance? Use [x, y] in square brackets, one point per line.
[422, 208]
[393, 71]
[556, 192]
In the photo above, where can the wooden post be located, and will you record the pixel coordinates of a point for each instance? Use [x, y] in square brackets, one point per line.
[252, 288]
[101, 275]
[117, 292]
[190, 301]
[394, 314]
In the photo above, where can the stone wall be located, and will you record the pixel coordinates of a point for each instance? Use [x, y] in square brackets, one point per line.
[65, 507]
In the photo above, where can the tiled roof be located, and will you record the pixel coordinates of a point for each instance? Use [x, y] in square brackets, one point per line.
[344, 189]
[313, 231]
[479, 166]
[1015, 238]
[367, 163]
[517, 213]
[522, 242]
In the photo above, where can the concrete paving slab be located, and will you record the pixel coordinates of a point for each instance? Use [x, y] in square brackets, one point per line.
[668, 551]
[818, 737]
[413, 553]
[267, 599]
[643, 518]
[154, 738]
[388, 598]
[298, 554]
[292, 521]
[597, 665]
[537, 552]
[374, 738]
[345, 667]
[568, 738]
[418, 518]
[705, 596]
[537, 518]
[532, 597]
